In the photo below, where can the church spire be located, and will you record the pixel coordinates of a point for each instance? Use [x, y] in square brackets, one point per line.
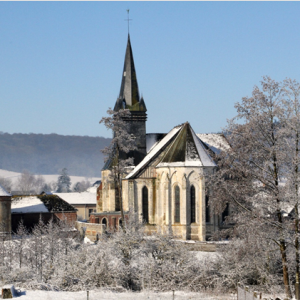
[129, 98]
[129, 91]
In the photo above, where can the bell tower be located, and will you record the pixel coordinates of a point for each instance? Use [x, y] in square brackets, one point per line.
[129, 98]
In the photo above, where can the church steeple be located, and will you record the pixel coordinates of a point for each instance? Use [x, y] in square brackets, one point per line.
[129, 96]
[129, 86]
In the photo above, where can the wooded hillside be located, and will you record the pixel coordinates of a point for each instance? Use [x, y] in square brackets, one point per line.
[49, 153]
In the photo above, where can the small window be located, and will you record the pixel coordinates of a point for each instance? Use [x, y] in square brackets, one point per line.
[177, 204]
[90, 211]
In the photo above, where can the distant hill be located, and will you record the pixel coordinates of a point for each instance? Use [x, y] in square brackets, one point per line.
[49, 153]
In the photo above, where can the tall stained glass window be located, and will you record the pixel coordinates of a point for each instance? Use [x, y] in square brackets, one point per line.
[193, 205]
[177, 204]
[145, 204]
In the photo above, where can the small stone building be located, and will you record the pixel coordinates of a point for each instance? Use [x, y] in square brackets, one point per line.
[84, 202]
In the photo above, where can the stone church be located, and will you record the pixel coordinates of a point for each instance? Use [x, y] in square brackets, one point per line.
[166, 186]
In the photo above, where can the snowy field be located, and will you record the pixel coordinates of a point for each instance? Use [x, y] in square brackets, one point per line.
[103, 295]
[13, 176]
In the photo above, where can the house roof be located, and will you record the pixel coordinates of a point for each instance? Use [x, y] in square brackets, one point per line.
[40, 204]
[79, 198]
[30, 204]
[180, 147]
[3, 192]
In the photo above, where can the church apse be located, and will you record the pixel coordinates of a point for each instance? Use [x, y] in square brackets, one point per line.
[166, 185]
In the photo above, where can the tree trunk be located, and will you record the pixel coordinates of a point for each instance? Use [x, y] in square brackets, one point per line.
[297, 221]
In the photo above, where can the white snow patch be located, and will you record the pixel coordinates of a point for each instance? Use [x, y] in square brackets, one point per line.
[204, 156]
[98, 294]
[87, 241]
[27, 205]
[3, 192]
[205, 256]
[78, 198]
[92, 189]
[215, 141]
[13, 176]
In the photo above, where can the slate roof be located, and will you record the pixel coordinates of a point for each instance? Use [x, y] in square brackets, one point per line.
[129, 96]
[180, 147]
[3, 192]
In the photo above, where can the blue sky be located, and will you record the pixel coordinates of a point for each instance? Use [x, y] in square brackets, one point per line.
[61, 62]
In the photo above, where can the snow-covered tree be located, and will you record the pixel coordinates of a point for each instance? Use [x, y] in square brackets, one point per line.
[39, 183]
[252, 172]
[81, 186]
[119, 149]
[26, 183]
[291, 133]
[63, 182]
[6, 183]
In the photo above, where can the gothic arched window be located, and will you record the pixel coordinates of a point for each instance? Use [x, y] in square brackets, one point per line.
[117, 200]
[207, 210]
[104, 222]
[177, 204]
[145, 204]
[193, 205]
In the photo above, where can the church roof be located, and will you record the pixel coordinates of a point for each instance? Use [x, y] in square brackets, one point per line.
[216, 142]
[179, 148]
[129, 86]
[129, 96]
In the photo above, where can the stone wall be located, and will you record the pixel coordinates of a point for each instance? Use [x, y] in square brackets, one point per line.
[91, 229]
[5, 213]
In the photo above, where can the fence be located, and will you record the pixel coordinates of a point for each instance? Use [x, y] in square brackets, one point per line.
[244, 293]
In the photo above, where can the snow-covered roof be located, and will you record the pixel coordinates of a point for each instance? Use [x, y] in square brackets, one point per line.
[40, 204]
[215, 141]
[28, 205]
[184, 149]
[79, 198]
[3, 192]
[154, 151]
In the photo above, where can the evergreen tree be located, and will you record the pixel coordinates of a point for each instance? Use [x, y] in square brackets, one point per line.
[63, 182]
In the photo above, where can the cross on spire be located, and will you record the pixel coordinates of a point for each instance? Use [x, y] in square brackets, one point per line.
[128, 20]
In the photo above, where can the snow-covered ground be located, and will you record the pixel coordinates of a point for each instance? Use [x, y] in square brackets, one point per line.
[103, 295]
[13, 176]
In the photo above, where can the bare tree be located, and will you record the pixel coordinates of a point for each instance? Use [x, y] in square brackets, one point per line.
[39, 183]
[117, 153]
[81, 186]
[6, 183]
[26, 182]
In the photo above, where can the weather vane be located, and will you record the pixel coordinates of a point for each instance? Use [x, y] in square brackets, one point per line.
[128, 20]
